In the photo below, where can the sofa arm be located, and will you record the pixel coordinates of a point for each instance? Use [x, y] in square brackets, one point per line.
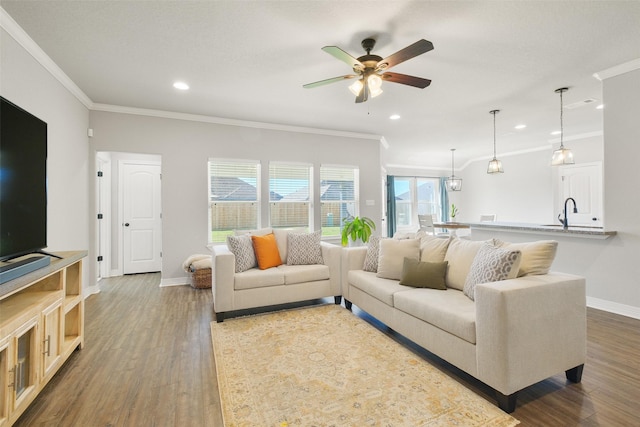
[223, 268]
[352, 259]
[529, 328]
[331, 258]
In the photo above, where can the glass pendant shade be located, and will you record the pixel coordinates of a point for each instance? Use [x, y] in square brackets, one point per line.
[562, 156]
[373, 81]
[495, 165]
[356, 87]
[452, 183]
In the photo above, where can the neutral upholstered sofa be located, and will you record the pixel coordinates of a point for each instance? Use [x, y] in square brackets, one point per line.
[305, 269]
[509, 333]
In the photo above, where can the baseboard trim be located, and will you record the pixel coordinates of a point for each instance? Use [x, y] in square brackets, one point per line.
[614, 307]
[174, 281]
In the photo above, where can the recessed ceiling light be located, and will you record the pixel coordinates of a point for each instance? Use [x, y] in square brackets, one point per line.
[394, 116]
[520, 126]
[600, 107]
[181, 86]
[556, 132]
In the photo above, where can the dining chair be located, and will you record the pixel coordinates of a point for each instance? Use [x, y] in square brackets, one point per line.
[488, 218]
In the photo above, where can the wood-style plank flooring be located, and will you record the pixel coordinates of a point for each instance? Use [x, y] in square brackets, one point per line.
[148, 361]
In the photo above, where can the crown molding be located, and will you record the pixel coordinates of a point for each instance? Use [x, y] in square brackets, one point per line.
[577, 137]
[230, 122]
[618, 69]
[23, 39]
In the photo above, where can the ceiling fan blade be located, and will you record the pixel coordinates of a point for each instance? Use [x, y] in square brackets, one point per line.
[343, 56]
[406, 80]
[328, 81]
[411, 51]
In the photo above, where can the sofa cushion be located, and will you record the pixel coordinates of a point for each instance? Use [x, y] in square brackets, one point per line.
[266, 250]
[433, 249]
[491, 264]
[537, 257]
[282, 240]
[419, 274]
[304, 273]
[255, 278]
[373, 250]
[392, 255]
[460, 255]
[242, 248]
[448, 310]
[378, 287]
[304, 248]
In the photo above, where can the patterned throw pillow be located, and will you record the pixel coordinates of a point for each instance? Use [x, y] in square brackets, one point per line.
[491, 264]
[371, 259]
[242, 248]
[304, 248]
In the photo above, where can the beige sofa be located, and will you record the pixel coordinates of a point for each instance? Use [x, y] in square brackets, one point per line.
[277, 285]
[515, 332]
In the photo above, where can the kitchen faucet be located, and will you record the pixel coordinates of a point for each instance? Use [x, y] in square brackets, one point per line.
[565, 221]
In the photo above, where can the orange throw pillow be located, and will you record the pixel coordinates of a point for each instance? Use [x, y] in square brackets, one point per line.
[266, 251]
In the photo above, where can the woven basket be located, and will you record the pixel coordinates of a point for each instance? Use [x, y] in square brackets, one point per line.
[200, 279]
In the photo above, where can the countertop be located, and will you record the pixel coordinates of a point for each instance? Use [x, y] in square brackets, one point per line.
[576, 231]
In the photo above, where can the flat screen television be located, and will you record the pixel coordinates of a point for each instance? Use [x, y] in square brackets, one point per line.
[23, 181]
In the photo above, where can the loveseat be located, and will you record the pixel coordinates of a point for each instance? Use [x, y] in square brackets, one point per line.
[305, 268]
[527, 325]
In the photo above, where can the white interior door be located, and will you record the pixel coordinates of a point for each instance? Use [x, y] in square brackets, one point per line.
[142, 218]
[584, 184]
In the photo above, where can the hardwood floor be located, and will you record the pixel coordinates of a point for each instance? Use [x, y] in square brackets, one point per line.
[148, 361]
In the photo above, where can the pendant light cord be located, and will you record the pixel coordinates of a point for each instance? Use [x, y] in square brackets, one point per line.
[561, 122]
[494, 134]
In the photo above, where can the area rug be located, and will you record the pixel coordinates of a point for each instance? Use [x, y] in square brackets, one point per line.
[324, 366]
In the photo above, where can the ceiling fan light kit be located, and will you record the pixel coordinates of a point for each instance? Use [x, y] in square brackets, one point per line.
[562, 156]
[370, 70]
[495, 165]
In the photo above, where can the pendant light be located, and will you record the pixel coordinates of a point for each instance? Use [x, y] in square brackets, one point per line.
[452, 183]
[562, 156]
[495, 165]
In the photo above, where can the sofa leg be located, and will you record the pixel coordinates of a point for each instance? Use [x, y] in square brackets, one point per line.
[338, 299]
[220, 317]
[506, 402]
[575, 374]
[347, 304]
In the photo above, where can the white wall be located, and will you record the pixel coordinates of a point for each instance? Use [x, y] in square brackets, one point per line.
[26, 83]
[185, 147]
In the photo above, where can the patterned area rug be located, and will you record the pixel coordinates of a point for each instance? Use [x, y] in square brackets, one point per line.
[324, 366]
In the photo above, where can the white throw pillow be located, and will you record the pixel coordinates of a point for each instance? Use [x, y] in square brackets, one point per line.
[460, 255]
[392, 255]
[242, 248]
[537, 257]
[491, 264]
[304, 248]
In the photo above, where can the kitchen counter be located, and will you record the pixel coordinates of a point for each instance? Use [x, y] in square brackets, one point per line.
[549, 229]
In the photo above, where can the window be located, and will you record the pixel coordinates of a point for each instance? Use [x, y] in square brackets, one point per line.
[289, 195]
[234, 197]
[415, 196]
[338, 197]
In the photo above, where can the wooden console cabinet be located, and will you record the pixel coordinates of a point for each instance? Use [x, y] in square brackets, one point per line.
[41, 324]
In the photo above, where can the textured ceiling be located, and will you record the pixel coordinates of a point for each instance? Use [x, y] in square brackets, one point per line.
[248, 60]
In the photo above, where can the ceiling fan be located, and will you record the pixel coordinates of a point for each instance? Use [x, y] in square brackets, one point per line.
[371, 69]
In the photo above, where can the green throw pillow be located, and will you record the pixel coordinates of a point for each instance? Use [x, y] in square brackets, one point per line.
[420, 274]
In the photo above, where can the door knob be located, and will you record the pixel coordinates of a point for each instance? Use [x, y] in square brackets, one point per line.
[126, 224]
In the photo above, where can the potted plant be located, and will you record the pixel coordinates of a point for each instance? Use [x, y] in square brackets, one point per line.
[454, 212]
[357, 228]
